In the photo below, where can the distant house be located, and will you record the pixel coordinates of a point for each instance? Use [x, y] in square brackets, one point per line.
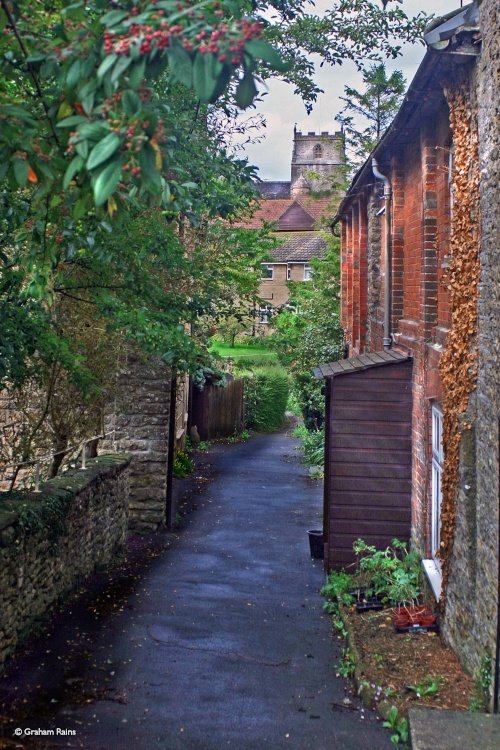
[296, 208]
[413, 414]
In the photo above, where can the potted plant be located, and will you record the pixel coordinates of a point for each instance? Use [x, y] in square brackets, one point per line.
[404, 592]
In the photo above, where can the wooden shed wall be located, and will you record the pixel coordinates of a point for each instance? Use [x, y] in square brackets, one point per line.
[368, 460]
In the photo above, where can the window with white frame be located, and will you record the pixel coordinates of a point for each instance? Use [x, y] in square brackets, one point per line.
[288, 273]
[437, 469]
[265, 314]
[307, 272]
[267, 271]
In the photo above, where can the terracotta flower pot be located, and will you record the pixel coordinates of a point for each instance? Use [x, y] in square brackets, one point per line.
[408, 617]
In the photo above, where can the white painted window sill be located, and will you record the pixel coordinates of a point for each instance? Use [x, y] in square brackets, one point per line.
[434, 576]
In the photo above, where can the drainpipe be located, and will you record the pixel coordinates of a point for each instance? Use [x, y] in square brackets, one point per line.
[387, 340]
[496, 676]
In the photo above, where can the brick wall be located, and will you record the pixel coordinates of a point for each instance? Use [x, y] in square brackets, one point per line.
[419, 169]
[419, 206]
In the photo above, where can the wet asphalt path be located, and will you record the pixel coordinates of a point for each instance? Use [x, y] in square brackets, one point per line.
[220, 642]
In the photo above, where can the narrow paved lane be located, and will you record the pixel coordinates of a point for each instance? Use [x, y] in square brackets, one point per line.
[222, 642]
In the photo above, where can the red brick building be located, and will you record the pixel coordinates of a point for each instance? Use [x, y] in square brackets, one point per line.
[412, 414]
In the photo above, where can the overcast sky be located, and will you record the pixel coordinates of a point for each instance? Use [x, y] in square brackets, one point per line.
[281, 108]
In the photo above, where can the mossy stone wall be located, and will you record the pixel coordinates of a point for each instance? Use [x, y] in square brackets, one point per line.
[52, 540]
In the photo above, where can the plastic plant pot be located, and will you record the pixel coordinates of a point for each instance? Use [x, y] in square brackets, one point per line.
[316, 543]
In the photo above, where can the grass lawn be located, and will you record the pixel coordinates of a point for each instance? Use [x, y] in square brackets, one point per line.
[240, 350]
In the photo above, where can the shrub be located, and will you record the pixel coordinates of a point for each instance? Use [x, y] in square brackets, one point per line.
[314, 447]
[183, 466]
[266, 396]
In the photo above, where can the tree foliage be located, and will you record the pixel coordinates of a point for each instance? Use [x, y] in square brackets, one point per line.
[376, 105]
[118, 187]
[357, 30]
[308, 333]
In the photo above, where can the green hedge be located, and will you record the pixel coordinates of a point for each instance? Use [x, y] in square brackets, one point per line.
[266, 396]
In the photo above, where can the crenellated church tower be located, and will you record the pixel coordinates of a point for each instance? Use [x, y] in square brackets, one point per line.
[315, 160]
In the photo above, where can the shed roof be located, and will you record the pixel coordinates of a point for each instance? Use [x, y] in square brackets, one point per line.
[361, 362]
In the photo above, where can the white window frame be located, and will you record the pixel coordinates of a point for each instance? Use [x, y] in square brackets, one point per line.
[265, 313]
[269, 267]
[432, 566]
[288, 273]
[437, 471]
[308, 271]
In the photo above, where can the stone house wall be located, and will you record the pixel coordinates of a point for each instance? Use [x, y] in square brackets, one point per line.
[276, 290]
[49, 542]
[472, 607]
[138, 421]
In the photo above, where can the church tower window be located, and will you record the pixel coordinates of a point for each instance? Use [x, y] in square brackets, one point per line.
[318, 151]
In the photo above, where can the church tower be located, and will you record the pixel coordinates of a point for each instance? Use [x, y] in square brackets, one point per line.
[315, 160]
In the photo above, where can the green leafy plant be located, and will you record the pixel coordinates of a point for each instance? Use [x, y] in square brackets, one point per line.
[339, 625]
[399, 728]
[337, 586]
[347, 665]
[481, 696]
[429, 686]
[183, 466]
[393, 573]
[238, 437]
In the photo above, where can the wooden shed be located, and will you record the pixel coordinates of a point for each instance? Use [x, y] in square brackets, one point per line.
[367, 453]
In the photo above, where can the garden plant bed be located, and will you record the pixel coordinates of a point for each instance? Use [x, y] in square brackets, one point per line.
[387, 662]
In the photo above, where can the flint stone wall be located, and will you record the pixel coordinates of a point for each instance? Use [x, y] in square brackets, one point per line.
[49, 542]
[139, 422]
[471, 609]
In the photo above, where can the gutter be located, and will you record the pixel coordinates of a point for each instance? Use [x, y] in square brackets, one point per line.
[387, 255]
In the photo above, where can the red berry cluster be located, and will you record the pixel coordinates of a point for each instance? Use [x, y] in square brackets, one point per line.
[221, 41]
[145, 35]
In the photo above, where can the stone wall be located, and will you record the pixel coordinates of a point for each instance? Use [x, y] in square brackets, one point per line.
[52, 540]
[139, 421]
[474, 575]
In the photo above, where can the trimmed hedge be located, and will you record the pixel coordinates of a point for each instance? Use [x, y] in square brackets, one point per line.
[266, 396]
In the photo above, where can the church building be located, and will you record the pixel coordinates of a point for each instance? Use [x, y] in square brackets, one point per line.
[298, 208]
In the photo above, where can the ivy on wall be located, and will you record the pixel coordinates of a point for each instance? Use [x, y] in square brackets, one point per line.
[458, 364]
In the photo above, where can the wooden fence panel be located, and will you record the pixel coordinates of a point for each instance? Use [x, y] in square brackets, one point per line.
[219, 412]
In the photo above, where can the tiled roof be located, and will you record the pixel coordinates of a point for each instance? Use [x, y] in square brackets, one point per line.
[298, 247]
[272, 209]
[295, 219]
